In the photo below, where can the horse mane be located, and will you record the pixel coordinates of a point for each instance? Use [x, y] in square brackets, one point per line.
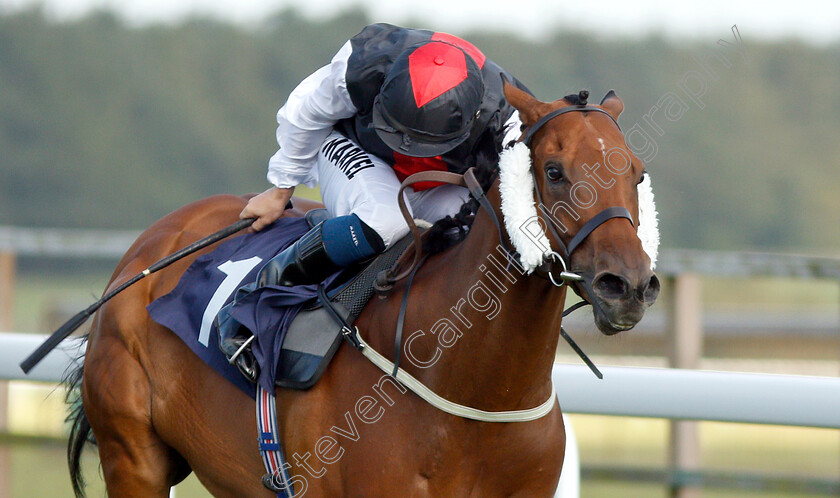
[449, 231]
[580, 98]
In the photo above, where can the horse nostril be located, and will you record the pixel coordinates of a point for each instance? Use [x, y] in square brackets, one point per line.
[651, 291]
[611, 286]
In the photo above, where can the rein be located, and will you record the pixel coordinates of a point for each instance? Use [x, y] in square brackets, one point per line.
[385, 280]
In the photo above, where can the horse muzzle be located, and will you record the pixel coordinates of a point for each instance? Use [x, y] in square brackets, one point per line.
[619, 301]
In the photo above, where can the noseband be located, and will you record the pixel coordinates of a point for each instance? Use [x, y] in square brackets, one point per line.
[565, 254]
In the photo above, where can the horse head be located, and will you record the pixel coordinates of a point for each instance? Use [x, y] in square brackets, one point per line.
[587, 185]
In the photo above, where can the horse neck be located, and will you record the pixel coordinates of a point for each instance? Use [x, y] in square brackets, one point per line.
[509, 324]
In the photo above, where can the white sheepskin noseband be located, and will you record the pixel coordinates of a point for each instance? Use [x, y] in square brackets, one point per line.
[523, 225]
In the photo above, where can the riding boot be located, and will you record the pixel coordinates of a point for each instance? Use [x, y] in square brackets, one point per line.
[304, 262]
[325, 249]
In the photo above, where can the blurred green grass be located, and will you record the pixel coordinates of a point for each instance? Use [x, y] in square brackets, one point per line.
[39, 469]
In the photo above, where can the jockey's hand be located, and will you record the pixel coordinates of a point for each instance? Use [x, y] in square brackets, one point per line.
[267, 207]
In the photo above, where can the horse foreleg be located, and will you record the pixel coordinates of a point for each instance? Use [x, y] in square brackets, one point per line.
[117, 399]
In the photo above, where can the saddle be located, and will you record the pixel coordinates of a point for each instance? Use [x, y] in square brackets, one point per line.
[315, 334]
[319, 322]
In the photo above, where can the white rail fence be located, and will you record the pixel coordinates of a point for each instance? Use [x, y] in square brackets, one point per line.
[794, 400]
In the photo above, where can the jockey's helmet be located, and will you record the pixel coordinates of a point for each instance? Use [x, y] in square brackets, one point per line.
[429, 100]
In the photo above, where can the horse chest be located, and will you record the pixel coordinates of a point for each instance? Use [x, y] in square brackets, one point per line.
[465, 458]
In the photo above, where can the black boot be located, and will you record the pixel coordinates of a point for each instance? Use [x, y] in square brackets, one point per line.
[304, 262]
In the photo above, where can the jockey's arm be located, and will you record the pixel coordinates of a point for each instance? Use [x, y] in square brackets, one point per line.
[303, 123]
[512, 129]
[267, 207]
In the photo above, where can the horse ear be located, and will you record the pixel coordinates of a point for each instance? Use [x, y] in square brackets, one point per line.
[522, 101]
[612, 104]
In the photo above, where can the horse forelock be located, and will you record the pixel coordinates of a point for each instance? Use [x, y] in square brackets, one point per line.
[574, 99]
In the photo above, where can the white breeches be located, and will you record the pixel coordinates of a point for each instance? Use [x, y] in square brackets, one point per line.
[355, 182]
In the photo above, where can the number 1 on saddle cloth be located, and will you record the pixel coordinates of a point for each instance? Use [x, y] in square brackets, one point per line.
[328, 247]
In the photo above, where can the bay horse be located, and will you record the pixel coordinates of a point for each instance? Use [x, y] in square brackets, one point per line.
[157, 412]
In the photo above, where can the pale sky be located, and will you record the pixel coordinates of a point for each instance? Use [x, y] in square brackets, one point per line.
[811, 20]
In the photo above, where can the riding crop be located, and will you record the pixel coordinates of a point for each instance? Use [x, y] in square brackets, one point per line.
[75, 322]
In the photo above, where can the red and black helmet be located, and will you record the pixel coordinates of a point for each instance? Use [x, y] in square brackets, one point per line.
[429, 100]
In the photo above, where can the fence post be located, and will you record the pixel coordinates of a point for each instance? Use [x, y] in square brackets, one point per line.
[7, 290]
[685, 348]
[7, 323]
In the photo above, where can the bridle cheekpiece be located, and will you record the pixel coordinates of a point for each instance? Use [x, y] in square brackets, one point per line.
[518, 209]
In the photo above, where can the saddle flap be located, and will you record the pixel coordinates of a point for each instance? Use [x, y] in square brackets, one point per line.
[310, 343]
[314, 336]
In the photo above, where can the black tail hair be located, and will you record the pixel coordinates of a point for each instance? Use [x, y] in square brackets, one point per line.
[80, 431]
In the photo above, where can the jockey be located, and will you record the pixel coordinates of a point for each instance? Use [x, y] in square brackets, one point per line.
[392, 102]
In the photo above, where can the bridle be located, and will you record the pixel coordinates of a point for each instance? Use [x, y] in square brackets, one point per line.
[386, 279]
[564, 256]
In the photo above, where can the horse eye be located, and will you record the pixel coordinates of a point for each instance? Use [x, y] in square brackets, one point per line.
[553, 174]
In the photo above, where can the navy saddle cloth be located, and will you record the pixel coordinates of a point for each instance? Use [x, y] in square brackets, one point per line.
[295, 337]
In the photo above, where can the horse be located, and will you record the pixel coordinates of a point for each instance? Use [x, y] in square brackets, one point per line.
[480, 337]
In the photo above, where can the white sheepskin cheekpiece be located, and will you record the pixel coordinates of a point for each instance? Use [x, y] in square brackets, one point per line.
[516, 185]
[648, 230]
